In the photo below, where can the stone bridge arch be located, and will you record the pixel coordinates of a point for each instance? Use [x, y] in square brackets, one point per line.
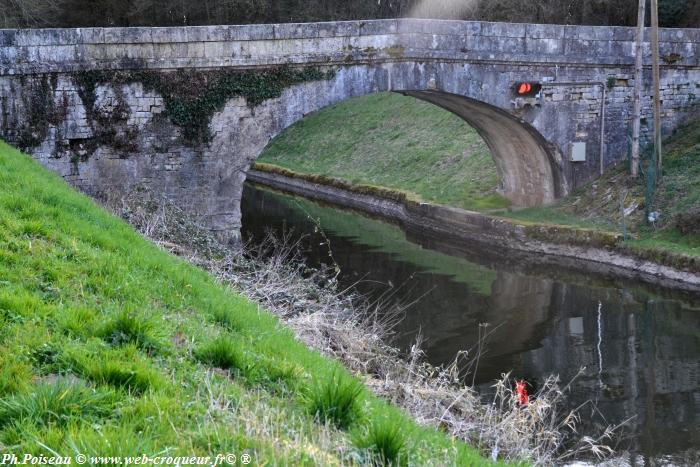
[527, 165]
[49, 107]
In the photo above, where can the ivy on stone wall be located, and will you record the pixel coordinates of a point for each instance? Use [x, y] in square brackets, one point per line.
[109, 128]
[41, 111]
[193, 96]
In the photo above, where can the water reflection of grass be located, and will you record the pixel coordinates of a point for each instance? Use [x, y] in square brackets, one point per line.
[388, 238]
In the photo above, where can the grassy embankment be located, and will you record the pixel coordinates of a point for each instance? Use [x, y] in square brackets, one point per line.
[598, 203]
[408, 145]
[396, 142]
[111, 346]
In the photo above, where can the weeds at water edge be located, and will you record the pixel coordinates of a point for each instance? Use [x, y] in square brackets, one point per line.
[344, 326]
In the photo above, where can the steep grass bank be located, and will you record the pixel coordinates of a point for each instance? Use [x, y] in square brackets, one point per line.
[397, 142]
[677, 199]
[111, 346]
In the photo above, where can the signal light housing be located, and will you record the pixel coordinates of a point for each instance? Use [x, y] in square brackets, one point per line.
[527, 89]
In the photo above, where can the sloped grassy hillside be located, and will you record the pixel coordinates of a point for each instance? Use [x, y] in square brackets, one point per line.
[111, 346]
[677, 198]
[393, 141]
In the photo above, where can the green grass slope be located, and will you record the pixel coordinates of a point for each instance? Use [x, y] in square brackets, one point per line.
[397, 142]
[597, 204]
[111, 346]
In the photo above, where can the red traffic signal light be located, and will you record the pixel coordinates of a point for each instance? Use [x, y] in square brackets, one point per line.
[527, 89]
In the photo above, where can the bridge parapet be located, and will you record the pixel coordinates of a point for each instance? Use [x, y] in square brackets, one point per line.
[65, 50]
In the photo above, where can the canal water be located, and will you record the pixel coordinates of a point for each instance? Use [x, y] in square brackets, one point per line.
[638, 349]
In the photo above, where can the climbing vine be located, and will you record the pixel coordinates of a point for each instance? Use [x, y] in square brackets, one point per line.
[193, 96]
[41, 111]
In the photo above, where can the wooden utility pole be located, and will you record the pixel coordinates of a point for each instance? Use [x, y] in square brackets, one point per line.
[657, 79]
[638, 77]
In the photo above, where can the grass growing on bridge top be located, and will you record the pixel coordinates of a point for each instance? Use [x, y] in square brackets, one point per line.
[397, 142]
[111, 346]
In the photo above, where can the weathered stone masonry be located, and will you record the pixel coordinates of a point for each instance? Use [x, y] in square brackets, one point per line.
[97, 105]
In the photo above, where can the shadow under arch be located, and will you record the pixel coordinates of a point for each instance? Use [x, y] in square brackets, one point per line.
[526, 163]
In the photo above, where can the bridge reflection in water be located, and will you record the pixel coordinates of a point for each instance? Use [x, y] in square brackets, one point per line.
[639, 348]
[642, 359]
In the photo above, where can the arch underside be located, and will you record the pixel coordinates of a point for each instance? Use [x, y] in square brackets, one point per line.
[522, 156]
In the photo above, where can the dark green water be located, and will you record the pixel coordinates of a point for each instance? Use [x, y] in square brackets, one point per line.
[639, 348]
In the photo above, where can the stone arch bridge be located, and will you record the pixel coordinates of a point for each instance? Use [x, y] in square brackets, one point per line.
[186, 110]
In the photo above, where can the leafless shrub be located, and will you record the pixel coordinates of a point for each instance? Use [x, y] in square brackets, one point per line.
[345, 326]
[89, 13]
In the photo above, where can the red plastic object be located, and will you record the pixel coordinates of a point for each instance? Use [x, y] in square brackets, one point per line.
[521, 392]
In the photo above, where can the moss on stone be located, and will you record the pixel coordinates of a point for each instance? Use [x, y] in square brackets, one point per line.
[369, 190]
[573, 236]
[396, 51]
[193, 96]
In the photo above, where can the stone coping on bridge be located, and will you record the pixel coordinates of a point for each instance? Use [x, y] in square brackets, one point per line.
[61, 50]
